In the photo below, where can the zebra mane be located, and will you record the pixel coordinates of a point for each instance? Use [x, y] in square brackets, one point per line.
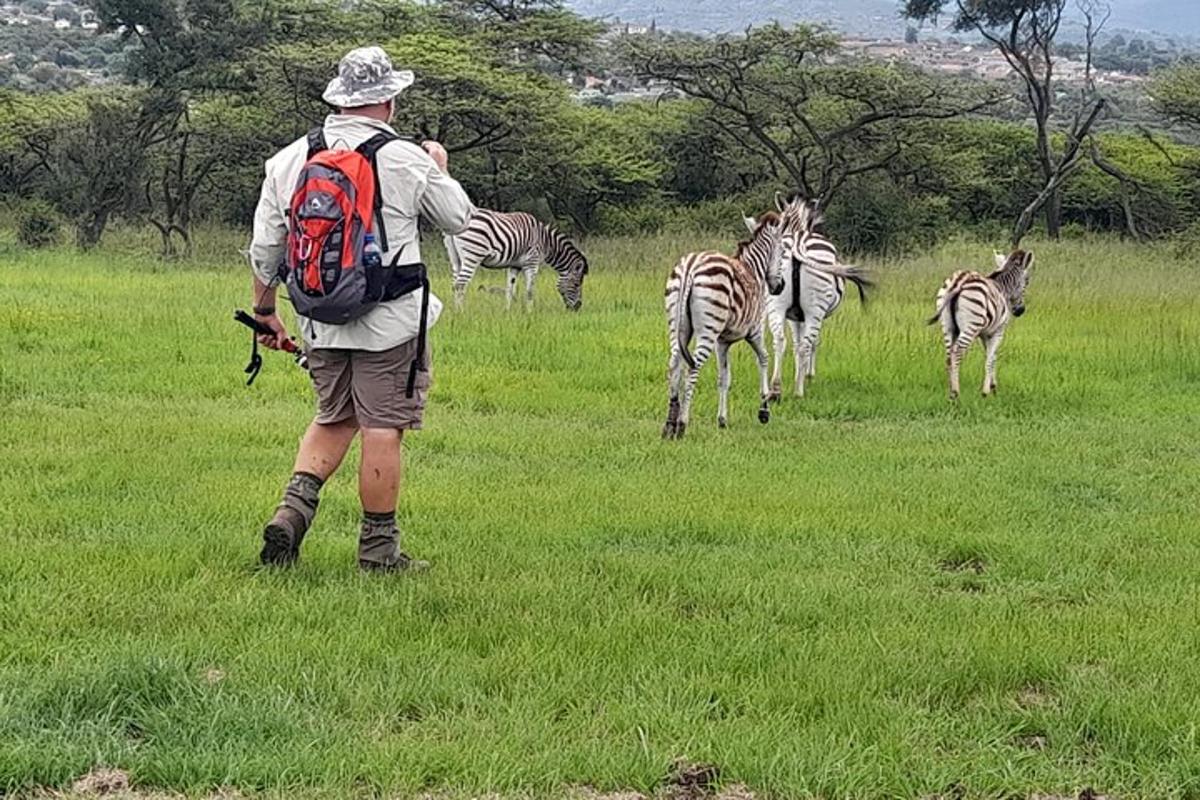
[1018, 261]
[769, 218]
[563, 251]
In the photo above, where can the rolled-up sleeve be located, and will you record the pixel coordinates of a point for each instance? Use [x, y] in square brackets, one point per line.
[445, 203]
[269, 242]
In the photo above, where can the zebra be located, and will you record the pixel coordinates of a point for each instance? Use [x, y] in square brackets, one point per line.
[720, 300]
[970, 305]
[815, 284]
[521, 243]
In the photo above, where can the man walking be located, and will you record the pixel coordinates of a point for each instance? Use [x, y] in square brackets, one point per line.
[361, 368]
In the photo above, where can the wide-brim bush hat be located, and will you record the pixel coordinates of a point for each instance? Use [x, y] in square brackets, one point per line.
[366, 78]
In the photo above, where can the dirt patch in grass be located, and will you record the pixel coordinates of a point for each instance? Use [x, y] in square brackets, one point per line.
[960, 563]
[1085, 794]
[687, 780]
[113, 784]
[102, 783]
[1033, 741]
[1034, 697]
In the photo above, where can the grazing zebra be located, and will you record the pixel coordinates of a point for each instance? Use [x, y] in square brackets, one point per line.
[814, 285]
[519, 243]
[720, 300]
[970, 305]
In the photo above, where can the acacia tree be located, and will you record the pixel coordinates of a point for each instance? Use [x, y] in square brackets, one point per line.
[1176, 94]
[182, 51]
[783, 97]
[540, 33]
[1025, 32]
[92, 160]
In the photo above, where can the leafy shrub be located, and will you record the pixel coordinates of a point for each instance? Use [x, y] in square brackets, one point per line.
[1187, 243]
[37, 224]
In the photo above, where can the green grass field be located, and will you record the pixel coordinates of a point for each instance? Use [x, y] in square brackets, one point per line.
[878, 595]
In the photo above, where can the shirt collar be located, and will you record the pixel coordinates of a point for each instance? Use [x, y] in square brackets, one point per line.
[343, 121]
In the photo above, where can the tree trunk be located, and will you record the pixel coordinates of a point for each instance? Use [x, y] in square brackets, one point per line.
[89, 230]
[1054, 215]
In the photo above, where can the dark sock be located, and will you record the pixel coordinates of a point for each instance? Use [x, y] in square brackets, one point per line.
[299, 506]
[379, 539]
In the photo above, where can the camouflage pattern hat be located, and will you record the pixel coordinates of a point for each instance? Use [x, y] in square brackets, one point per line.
[366, 78]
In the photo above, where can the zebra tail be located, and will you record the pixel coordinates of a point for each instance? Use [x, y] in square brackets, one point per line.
[861, 280]
[946, 302]
[683, 312]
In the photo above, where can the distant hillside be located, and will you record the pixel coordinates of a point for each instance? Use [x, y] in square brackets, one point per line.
[878, 17]
[859, 17]
[1170, 17]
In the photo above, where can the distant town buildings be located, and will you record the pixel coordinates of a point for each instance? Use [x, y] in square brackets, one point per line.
[952, 57]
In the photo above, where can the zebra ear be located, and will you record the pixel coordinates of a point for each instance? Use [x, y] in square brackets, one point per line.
[1000, 258]
[779, 202]
[751, 224]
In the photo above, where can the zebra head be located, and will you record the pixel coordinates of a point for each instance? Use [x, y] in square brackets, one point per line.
[1012, 276]
[796, 219]
[572, 267]
[764, 252]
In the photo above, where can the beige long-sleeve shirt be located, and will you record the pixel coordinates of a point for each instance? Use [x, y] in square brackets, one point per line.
[412, 186]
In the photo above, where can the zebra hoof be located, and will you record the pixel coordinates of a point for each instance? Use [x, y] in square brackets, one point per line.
[673, 430]
[722, 423]
[775, 396]
[764, 415]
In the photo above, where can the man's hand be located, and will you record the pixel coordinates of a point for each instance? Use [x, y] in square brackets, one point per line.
[276, 324]
[438, 154]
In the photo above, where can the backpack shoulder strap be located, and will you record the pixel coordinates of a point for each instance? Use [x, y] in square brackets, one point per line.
[316, 142]
[371, 147]
[370, 151]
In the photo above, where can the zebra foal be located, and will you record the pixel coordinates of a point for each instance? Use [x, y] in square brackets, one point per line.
[972, 306]
[720, 300]
[520, 243]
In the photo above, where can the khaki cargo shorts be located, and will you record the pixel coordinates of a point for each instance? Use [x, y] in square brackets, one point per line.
[370, 387]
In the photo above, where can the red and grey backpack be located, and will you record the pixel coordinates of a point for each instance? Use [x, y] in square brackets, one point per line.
[336, 204]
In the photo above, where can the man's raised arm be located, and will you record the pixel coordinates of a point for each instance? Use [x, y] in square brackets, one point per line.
[445, 203]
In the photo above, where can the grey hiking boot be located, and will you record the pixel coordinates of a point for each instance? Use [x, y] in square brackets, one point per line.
[403, 564]
[285, 531]
[280, 547]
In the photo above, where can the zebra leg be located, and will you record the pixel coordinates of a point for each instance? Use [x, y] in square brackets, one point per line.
[814, 336]
[462, 279]
[812, 333]
[760, 350]
[779, 340]
[798, 328]
[530, 275]
[675, 375]
[992, 345]
[957, 351]
[812, 358]
[705, 345]
[511, 288]
[723, 381]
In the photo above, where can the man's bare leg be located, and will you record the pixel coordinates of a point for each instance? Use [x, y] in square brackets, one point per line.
[322, 451]
[379, 481]
[324, 447]
[382, 470]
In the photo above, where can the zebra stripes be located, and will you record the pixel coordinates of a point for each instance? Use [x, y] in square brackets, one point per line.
[519, 243]
[815, 284]
[972, 306]
[720, 300]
